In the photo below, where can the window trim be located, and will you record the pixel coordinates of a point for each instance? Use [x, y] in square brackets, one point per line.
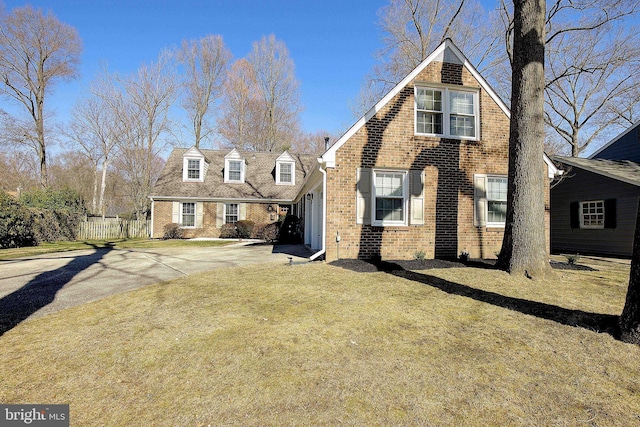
[185, 169]
[293, 173]
[405, 199]
[494, 224]
[195, 214]
[227, 170]
[446, 111]
[581, 215]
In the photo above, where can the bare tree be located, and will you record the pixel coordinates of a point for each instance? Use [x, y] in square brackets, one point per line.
[143, 111]
[97, 129]
[412, 29]
[629, 321]
[278, 92]
[592, 72]
[524, 244]
[36, 51]
[205, 65]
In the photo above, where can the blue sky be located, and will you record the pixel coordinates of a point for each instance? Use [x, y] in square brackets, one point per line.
[332, 42]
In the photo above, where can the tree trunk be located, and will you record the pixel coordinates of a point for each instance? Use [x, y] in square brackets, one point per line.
[524, 248]
[630, 317]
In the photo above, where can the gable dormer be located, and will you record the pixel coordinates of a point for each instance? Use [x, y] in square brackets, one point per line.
[285, 169]
[234, 167]
[194, 166]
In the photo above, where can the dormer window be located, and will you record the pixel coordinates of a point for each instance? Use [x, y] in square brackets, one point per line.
[193, 166]
[285, 169]
[447, 112]
[234, 167]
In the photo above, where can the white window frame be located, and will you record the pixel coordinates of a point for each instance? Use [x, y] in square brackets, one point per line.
[404, 198]
[279, 180]
[447, 114]
[496, 224]
[227, 170]
[596, 208]
[185, 169]
[182, 214]
[225, 213]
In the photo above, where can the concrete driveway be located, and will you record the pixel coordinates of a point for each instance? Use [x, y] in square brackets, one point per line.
[34, 287]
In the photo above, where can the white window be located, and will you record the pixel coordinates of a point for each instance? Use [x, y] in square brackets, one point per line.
[188, 214]
[446, 112]
[592, 214]
[389, 197]
[192, 169]
[285, 173]
[496, 200]
[231, 213]
[234, 171]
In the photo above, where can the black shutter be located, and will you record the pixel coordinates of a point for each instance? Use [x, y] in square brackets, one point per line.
[610, 213]
[574, 214]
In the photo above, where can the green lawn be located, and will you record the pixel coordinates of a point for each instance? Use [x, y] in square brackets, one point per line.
[46, 248]
[315, 344]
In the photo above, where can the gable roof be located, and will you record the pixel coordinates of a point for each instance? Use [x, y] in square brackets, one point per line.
[620, 170]
[614, 140]
[446, 52]
[260, 183]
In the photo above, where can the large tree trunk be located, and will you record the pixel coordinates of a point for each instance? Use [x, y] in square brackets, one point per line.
[630, 317]
[524, 248]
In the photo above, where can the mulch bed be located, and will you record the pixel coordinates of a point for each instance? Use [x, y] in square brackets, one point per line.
[363, 266]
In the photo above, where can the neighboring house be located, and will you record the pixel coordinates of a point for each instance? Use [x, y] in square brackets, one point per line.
[594, 206]
[204, 189]
[425, 170]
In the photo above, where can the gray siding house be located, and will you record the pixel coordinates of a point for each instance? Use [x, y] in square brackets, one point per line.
[593, 208]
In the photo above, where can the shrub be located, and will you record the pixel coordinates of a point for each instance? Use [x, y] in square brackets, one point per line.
[244, 229]
[228, 231]
[572, 259]
[55, 200]
[267, 232]
[56, 213]
[289, 230]
[16, 224]
[172, 231]
[420, 255]
[464, 256]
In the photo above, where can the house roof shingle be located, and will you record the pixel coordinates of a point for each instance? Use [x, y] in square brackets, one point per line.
[621, 170]
[259, 182]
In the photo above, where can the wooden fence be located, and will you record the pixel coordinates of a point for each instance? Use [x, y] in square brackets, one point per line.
[113, 229]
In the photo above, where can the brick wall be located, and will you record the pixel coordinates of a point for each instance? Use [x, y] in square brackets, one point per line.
[388, 141]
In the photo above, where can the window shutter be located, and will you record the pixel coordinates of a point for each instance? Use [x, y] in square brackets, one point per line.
[610, 213]
[175, 212]
[417, 197]
[242, 211]
[199, 214]
[479, 200]
[363, 196]
[574, 214]
[220, 215]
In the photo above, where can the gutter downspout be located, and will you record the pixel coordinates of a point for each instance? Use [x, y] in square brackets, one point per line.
[324, 216]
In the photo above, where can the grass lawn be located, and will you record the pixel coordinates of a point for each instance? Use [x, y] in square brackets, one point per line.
[316, 344]
[46, 248]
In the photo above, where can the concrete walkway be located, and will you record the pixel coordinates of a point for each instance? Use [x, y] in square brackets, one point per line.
[34, 287]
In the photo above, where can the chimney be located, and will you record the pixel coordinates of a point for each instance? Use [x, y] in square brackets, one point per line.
[326, 143]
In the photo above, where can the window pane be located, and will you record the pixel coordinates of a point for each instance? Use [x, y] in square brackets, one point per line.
[235, 169]
[285, 172]
[188, 214]
[231, 213]
[592, 214]
[462, 126]
[389, 184]
[389, 209]
[497, 188]
[496, 211]
[429, 123]
[429, 99]
[461, 103]
[193, 169]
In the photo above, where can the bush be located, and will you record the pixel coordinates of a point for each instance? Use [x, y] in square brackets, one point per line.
[267, 232]
[228, 231]
[289, 231]
[56, 213]
[244, 229]
[573, 259]
[172, 231]
[54, 200]
[16, 224]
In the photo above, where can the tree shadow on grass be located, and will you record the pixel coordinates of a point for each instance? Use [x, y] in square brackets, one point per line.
[42, 289]
[604, 323]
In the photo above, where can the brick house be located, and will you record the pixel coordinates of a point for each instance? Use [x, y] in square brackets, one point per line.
[204, 189]
[425, 170]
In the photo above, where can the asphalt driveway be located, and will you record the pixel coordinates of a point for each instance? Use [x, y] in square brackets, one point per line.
[34, 287]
